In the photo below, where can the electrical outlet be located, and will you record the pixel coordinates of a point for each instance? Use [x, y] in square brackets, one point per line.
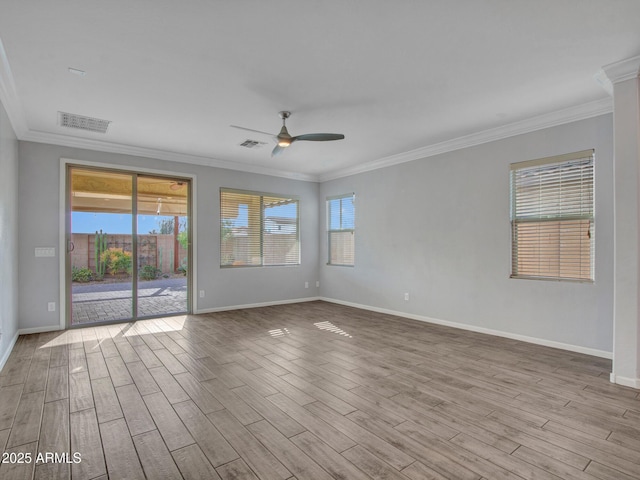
[306, 284]
[51, 306]
[201, 293]
[406, 297]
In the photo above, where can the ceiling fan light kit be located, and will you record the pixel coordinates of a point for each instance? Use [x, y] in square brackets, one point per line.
[284, 139]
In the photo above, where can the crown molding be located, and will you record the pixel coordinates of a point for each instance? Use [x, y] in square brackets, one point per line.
[552, 119]
[110, 147]
[624, 70]
[601, 79]
[9, 96]
[560, 117]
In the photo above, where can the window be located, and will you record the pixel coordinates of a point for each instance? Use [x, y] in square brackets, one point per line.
[552, 217]
[258, 229]
[341, 227]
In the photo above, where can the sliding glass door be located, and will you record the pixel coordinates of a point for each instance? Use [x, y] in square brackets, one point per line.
[128, 245]
[162, 246]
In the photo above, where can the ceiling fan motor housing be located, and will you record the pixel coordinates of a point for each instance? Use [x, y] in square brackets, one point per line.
[284, 139]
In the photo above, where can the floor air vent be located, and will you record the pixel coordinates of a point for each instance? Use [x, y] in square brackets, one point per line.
[89, 124]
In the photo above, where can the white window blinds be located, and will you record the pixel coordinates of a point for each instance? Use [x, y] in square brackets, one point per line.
[552, 217]
[341, 229]
[258, 229]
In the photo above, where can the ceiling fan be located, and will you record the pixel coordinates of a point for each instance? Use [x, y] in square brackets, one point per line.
[283, 138]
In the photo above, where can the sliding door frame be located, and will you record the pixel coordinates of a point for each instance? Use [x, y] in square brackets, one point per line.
[65, 223]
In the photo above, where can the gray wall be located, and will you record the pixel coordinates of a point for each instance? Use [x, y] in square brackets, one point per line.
[438, 228]
[8, 234]
[39, 195]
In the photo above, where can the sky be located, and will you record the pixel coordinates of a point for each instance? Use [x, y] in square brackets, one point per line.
[120, 223]
[341, 213]
[116, 223]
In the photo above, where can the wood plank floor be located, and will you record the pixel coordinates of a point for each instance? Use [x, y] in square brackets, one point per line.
[309, 391]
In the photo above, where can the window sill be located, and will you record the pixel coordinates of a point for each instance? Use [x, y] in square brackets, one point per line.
[552, 279]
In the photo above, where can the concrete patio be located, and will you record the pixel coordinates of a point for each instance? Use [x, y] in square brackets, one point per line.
[101, 302]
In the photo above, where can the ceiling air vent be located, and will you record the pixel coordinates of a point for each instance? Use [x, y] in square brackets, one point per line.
[252, 144]
[89, 124]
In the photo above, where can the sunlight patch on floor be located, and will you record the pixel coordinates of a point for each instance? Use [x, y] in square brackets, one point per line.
[279, 332]
[126, 329]
[331, 328]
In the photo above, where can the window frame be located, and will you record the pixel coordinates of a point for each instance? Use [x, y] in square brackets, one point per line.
[291, 198]
[329, 199]
[560, 161]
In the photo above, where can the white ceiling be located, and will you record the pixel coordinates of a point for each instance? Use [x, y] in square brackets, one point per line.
[393, 77]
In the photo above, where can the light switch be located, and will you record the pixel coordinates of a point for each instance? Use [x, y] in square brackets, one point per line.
[45, 251]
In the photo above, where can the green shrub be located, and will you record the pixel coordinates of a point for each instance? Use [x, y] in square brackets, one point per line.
[183, 266]
[183, 238]
[82, 275]
[117, 260]
[148, 272]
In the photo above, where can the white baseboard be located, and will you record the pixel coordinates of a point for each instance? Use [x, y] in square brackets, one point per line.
[257, 305]
[463, 326]
[625, 381]
[5, 357]
[49, 328]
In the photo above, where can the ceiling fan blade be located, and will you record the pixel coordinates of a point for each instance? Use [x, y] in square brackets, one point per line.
[252, 130]
[320, 137]
[277, 150]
